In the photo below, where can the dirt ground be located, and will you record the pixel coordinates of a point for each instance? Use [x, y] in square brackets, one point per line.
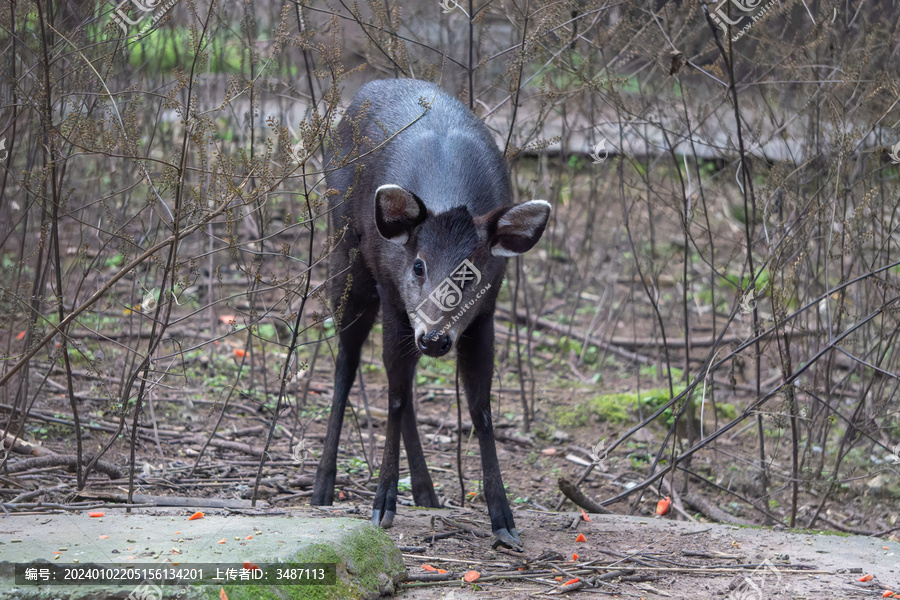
[648, 556]
[635, 557]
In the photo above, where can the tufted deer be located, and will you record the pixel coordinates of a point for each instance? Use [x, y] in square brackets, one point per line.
[424, 194]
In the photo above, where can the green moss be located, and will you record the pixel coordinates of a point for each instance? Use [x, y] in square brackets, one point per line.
[612, 408]
[373, 559]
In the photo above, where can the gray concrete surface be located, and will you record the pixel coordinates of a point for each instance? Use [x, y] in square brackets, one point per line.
[367, 564]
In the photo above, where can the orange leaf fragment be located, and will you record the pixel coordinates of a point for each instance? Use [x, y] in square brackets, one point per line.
[222, 541]
[56, 552]
[471, 576]
[887, 594]
[196, 515]
[429, 568]
[574, 557]
[558, 578]
[104, 537]
[240, 352]
[249, 537]
[21, 335]
[222, 594]
[571, 581]
[96, 514]
[584, 515]
[662, 507]
[581, 538]
[867, 577]
[442, 570]
[227, 319]
[251, 566]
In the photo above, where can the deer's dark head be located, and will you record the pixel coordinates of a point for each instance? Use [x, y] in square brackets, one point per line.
[451, 264]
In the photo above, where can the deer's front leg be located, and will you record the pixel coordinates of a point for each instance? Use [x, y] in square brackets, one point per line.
[400, 358]
[476, 365]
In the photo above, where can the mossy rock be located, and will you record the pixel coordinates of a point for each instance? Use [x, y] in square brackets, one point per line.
[368, 565]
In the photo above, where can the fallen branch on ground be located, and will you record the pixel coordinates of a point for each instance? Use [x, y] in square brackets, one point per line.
[62, 460]
[577, 496]
[711, 511]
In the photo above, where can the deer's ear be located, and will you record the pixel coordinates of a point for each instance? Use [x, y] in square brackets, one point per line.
[397, 213]
[516, 229]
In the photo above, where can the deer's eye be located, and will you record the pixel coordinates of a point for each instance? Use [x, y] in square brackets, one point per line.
[419, 267]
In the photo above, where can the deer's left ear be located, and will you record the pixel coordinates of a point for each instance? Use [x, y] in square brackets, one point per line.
[516, 229]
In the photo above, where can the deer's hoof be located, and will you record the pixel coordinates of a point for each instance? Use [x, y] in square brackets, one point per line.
[384, 520]
[508, 538]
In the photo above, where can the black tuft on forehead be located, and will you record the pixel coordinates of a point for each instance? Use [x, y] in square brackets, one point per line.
[448, 238]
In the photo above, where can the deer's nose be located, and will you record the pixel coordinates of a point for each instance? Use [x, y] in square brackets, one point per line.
[434, 344]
